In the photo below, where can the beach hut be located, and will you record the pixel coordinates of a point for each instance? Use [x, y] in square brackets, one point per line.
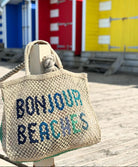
[109, 26]
[60, 22]
[19, 22]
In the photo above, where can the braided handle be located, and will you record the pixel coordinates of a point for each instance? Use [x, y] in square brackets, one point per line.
[13, 71]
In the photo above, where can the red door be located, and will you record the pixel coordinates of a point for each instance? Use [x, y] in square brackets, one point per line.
[61, 24]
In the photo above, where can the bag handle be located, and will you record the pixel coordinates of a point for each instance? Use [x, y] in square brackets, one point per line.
[28, 50]
[26, 63]
[13, 71]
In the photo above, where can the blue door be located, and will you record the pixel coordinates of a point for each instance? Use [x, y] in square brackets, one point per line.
[33, 20]
[20, 24]
[1, 33]
[14, 25]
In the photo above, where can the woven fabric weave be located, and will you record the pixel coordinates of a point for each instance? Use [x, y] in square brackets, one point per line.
[45, 115]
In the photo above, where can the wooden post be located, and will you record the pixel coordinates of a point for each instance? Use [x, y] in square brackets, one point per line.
[36, 56]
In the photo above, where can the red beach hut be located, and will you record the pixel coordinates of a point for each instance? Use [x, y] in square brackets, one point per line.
[60, 23]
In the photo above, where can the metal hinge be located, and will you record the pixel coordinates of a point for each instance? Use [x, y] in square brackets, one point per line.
[113, 47]
[134, 17]
[64, 24]
[64, 46]
[60, 46]
[69, 46]
[132, 47]
[57, 1]
[61, 1]
[114, 19]
[123, 18]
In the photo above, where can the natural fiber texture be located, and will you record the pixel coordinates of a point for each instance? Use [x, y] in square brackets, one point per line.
[45, 115]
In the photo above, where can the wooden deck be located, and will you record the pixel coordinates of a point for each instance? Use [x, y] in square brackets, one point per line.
[115, 101]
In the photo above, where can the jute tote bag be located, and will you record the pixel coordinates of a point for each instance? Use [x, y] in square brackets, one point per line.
[48, 114]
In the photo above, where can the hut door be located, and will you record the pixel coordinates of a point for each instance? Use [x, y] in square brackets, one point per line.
[61, 24]
[26, 23]
[1, 28]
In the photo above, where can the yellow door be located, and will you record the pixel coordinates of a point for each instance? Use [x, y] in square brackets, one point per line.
[124, 32]
[91, 34]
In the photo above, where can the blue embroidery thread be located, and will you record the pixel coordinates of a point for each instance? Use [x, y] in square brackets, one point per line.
[61, 101]
[73, 123]
[84, 127]
[19, 107]
[43, 105]
[32, 105]
[21, 136]
[67, 127]
[70, 97]
[52, 129]
[51, 104]
[42, 133]
[30, 132]
[76, 98]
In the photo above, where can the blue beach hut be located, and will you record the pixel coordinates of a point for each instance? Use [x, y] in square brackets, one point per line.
[19, 22]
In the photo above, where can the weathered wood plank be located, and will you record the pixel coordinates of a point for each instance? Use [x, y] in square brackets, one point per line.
[5, 163]
[101, 59]
[126, 63]
[116, 160]
[110, 148]
[128, 69]
[131, 56]
[131, 63]
[113, 55]
[116, 65]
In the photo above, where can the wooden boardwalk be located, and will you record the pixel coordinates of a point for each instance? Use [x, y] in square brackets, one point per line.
[115, 101]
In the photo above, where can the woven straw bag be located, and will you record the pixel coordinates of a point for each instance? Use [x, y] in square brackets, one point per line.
[48, 114]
